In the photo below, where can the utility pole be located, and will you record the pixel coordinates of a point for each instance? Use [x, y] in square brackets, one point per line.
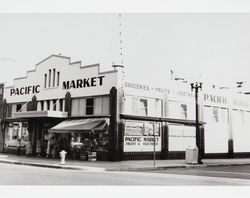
[196, 87]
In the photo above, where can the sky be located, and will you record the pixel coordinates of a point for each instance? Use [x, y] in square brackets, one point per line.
[209, 47]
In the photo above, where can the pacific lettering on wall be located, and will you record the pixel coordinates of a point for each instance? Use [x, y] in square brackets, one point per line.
[240, 102]
[82, 83]
[25, 90]
[137, 139]
[215, 99]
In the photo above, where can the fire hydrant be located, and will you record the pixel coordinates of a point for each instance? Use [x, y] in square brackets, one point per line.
[62, 156]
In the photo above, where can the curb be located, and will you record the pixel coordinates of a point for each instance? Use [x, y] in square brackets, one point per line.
[55, 166]
[175, 166]
[42, 165]
[233, 164]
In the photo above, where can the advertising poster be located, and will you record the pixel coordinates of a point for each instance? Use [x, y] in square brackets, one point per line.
[148, 143]
[133, 128]
[148, 129]
[133, 143]
[139, 136]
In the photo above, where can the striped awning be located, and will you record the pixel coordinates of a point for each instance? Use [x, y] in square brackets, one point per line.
[81, 125]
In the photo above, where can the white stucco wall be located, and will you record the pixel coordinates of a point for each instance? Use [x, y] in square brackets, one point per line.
[68, 72]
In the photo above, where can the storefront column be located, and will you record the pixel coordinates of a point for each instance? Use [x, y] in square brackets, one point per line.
[39, 106]
[32, 106]
[115, 152]
[164, 151]
[63, 105]
[67, 105]
[121, 129]
[3, 111]
[31, 130]
[45, 105]
[34, 136]
[202, 141]
[51, 105]
[58, 105]
[230, 134]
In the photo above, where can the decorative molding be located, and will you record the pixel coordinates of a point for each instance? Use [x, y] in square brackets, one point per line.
[70, 63]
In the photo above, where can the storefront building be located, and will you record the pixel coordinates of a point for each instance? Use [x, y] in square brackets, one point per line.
[62, 99]
[166, 117]
[64, 105]
[224, 117]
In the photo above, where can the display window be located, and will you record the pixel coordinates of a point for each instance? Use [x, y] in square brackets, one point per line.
[78, 144]
[181, 137]
[89, 141]
[16, 134]
[103, 141]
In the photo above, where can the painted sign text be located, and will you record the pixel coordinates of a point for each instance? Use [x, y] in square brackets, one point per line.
[82, 83]
[25, 90]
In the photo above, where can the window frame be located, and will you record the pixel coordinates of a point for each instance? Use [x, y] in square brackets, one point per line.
[215, 117]
[145, 108]
[184, 111]
[89, 106]
[20, 107]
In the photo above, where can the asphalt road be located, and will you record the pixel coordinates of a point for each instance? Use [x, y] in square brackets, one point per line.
[238, 172]
[28, 175]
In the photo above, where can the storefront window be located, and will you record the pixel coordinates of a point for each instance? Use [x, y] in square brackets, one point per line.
[183, 111]
[143, 107]
[89, 106]
[45, 80]
[16, 132]
[83, 142]
[135, 105]
[9, 110]
[103, 141]
[215, 114]
[18, 107]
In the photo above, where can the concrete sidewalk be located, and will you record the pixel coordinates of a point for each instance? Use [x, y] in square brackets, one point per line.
[132, 165]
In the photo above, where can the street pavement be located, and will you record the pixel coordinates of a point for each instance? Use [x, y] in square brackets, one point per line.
[20, 170]
[238, 172]
[11, 174]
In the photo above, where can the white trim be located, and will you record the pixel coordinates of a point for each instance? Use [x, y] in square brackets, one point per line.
[37, 114]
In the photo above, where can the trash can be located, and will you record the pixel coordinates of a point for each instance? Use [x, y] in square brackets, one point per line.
[192, 155]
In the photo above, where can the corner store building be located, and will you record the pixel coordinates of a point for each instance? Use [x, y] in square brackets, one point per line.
[57, 90]
[131, 116]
